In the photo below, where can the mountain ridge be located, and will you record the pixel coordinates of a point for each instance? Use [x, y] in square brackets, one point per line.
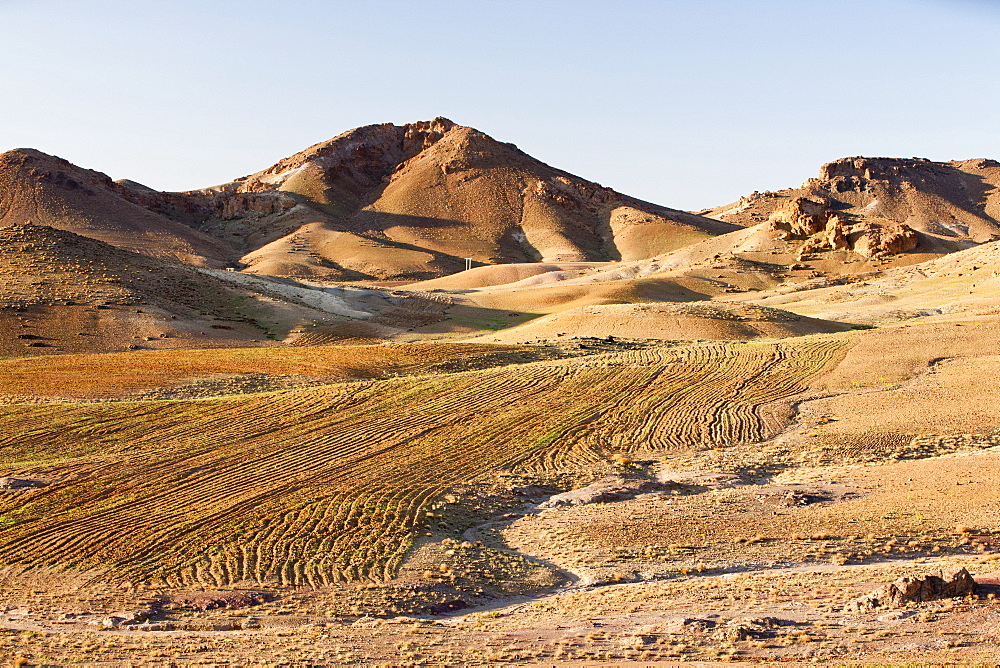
[385, 201]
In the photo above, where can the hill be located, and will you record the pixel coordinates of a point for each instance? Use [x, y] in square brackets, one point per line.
[673, 322]
[963, 284]
[51, 191]
[380, 202]
[859, 218]
[64, 292]
[948, 203]
[412, 201]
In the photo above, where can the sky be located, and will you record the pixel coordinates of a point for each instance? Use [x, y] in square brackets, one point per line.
[686, 104]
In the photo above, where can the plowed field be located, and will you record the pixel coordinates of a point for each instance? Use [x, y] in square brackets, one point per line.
[330, 484]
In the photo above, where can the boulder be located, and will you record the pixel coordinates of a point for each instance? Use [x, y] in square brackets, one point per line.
[681, 625]
[611, 488]
[944, 584]
[747, 629]
[800, 217]
[19, 483]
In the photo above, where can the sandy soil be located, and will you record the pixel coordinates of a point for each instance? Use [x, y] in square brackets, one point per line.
[672, 322]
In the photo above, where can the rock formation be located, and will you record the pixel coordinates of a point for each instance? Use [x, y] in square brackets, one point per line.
[947, 202]
[944, 584]
[814, 219]
[801, 217]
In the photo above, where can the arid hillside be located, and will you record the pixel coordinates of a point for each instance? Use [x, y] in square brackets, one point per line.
[862, 218]
[63, 292]
[378, 202]
[964, 284]
[47, 190]
[388, 201]
[948, 204]
[66, 293]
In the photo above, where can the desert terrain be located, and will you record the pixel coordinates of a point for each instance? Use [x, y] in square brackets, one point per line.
[278, 422]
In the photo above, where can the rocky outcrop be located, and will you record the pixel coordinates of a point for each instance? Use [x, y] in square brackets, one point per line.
[952, 201]
[813, 219]
[244, 204]
[875, 239]
[868, 238]
[859, 170]
[944, 584]
[800, 217]
[576, 194]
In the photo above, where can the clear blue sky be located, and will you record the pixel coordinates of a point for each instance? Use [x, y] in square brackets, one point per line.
[688, 104]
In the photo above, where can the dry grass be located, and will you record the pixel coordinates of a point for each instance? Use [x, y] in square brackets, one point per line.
[102, 375]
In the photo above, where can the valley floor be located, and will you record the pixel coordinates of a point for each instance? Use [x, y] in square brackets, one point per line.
[468, 504]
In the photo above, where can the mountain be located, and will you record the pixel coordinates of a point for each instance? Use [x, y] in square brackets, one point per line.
[412, 201]
[51, 191]
[380, 202]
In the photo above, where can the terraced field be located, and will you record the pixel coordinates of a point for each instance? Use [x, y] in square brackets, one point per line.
[330, 484]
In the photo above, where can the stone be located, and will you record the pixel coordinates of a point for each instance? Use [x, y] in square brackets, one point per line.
[800, 217]
[453, 605]
[214, 600]
[610, 488]
[747, 629]
[19, 483]
[944, 584]
[681, 625]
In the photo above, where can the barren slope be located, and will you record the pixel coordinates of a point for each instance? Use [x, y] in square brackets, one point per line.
[62, 292]
[412, 201]
[668, 321]
[964, 284]
[952, 201]
[51, 191]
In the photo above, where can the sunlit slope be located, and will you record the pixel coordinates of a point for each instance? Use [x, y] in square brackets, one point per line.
[64, 292]
[47, 190]
[413, 201]
[330, 484]
[961, 284]
[669, 321]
